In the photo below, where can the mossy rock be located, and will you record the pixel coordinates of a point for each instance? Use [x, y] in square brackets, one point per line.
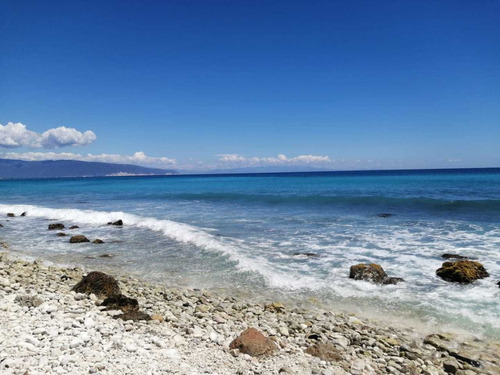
[462, 271]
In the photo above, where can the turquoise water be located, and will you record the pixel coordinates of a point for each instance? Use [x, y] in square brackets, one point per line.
[243, 232]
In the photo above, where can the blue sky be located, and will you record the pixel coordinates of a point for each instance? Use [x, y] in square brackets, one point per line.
[225, 84]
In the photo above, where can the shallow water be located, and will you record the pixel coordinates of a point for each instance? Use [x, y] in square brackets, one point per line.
[242, 232]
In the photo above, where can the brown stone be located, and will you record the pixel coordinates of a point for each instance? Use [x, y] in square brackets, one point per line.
[10, 214]
[98, 241]
[253, 342]
[368, 272]
[78, 239]
[74, 227]
[324, 351]
[134, 315]
[157, 317]
[121, 302]
[462, 271]
[61, 234]
[98, 283]
[56, 226]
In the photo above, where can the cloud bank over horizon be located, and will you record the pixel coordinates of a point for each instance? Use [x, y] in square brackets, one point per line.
[16, 135]
[279, 160]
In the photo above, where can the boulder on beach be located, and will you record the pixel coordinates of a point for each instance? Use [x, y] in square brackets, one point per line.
[253, 342]
[462, 271]
[98, 241]
[10, 214]
[324, 351]
[99, 283]
[74, 227]
[78, 239]
[56, 226]
[372, 272]
[121, 302]
[117, 222]
[453, 256]
[61, 234]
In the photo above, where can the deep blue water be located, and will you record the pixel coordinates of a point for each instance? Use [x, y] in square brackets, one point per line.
[241, 232]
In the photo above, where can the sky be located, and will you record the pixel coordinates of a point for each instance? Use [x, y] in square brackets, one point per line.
[201, 85]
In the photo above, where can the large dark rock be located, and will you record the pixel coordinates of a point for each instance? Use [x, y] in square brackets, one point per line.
[99, 283]
[462, 271]
[24, 214]
[324, 351]
[117, 222]
[121, 302]
[253, 342]
[372, 272]
[56, 226]
[78, 239]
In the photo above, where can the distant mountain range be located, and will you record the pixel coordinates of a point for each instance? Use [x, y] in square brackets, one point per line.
[72, 168]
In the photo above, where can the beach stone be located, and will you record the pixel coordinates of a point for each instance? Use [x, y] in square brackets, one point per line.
[10, 214]
[453, 256]
[56, 226]
[462, 271]
[74, 227]
[134, 316]
[275, 307]
[368, 272]
[98, 283]
[253, 342]
[451, 366]
[78, 239]
[61, 234]
[117, 222]
[28, 301]
[98, 241]
[120, 302]
[324, 351]
[157, 318]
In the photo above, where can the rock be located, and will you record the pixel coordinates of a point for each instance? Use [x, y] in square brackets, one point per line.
[78, 239]
[74, 227]
[118, 222]
[24, 214]
[453, 256]
[121, 302]
[157, 317]
[443, 343]
[56, 226]
[253, 342]
[462, 271]
[10, 214]
[308, 255]
[275, 307]
[98, 241]
[134, 316]
[1, 226]
[28, 301]
[98, 283]
[106, 256]
[451, 366]
[368, 272]
[384, 215]
[324, 351]
[393, 280]
[61, 234]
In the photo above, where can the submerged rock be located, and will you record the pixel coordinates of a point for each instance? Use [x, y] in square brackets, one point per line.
[393, 280]
[118, 222]
[453, 256]
[324, 351]
[78, 239]
[384, 215]
[309, 255]
[98, 283]
[106, 256]
[61, 234]
[462, 271]
[1, 226]
[24, 214]
[98, 241]
[74, 227]
[253, 342]
[56, 226]
[10, 214]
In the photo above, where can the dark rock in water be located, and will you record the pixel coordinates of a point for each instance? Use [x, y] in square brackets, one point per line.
[121, 302]
[324, 351]
[368, 272]
[56, 226]
[61, 234]
[453, 256]
[134, 316]
[309, 255]
[253, 342]
[462, 271]
[10, 214]
[1, 226]
[118, 222]
[106, 256]
[98, 283]
[498, 284]
[98, 241]
[385, 215]
[393, 280]
[74, 227]
[89, 257]
[78, 239]
[24, 214]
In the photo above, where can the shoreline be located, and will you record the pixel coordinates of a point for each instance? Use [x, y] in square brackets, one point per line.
[196, 332]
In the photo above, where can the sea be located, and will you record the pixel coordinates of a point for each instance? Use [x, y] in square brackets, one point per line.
[288, 236]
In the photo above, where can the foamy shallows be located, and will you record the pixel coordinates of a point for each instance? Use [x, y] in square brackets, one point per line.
[281, 236]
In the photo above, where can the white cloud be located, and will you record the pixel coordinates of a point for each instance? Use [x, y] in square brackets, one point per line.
[138, 158]
[281, 159]
[15, 135]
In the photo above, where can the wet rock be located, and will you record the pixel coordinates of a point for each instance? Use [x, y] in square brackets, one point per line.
[368, 272]
[98, 283]
[462, 271]
[106, 256]
[253, 342]
[385, 215]
[498, 284]
[453, 256]
[393, 280]
[121, 302]
[24, 214]
[275, 307]
[1, 226]
[324, 351]
[56, 226]
[61, 234]
[118, 222]
[78, 239]
[134, 316]
[443, 343]
[98, 241]
[74, 227]
[10, 214]
[451, 366]
[308, 255]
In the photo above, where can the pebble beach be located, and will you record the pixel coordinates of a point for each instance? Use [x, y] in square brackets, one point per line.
[46, 328]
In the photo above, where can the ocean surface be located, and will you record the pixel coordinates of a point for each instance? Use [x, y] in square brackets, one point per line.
[242, 233]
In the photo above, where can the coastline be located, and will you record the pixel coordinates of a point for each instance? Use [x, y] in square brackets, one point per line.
[68, 332]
